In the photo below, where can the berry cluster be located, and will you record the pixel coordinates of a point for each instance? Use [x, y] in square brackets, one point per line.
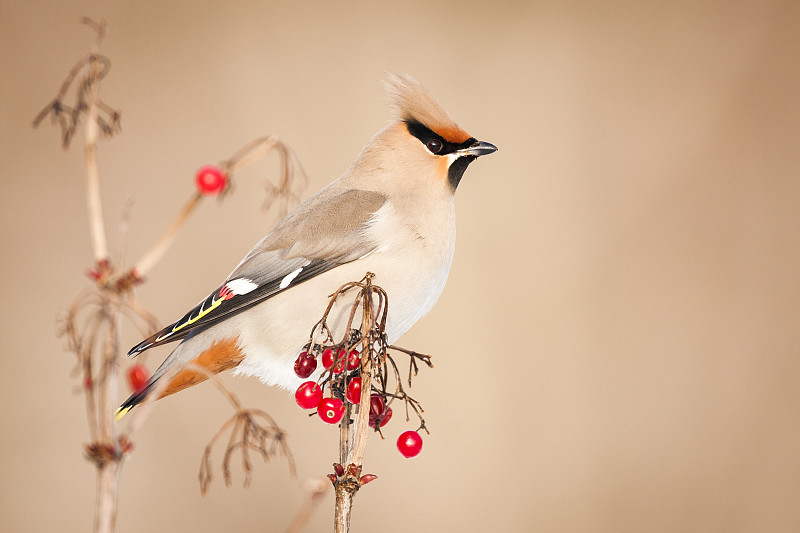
[343, 379]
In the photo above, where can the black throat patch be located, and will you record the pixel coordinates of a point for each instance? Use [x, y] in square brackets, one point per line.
[457, 168]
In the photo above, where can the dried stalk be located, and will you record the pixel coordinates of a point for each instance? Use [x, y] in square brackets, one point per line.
[93, 322]
[353, 455]
[247, 433]
[93, 199]
[375, 365]
[291, 177]
[157, 251]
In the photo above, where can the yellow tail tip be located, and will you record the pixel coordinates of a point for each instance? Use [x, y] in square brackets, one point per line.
[121, 412]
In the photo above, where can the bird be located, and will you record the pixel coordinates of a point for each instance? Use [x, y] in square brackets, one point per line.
[391, 213]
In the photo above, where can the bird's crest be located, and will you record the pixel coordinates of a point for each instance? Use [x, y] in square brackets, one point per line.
[411, 102]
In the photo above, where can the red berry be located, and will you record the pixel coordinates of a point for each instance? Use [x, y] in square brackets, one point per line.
[378, 410]
[331, 410]
[387, 415]
[137, 377]
[409, 443]
[210, 180]
[377, 405]
[353, 360]
[354, 390]
[327, 360]
[308, 395]
[305, 364]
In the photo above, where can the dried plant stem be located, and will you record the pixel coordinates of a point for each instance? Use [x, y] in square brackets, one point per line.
[249, 154]
[352, 450]
[94, 321]
[108, 469]
[105, 510]
[109, 463]
[254, 151]
[107, 389]
[157, 251]
[93, 199]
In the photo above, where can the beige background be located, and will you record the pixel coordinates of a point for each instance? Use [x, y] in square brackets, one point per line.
[617, 346]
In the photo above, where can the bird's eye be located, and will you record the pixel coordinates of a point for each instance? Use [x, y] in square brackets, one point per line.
[435, 146]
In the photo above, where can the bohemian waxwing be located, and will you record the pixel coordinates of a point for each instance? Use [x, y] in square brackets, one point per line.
[391, 213]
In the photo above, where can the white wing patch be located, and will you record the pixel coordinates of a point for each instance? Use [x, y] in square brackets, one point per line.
[241, 286]
[289, 278]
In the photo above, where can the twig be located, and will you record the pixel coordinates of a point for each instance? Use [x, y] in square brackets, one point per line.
[93, 322]
[291, 173]
[157, 251]
[93, 198]
[347, 487]
[247, 433]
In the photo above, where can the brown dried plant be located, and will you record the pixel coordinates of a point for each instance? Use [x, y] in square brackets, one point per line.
[251, 430]
[93, 322]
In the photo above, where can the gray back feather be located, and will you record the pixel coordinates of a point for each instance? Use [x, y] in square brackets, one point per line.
[328, 227]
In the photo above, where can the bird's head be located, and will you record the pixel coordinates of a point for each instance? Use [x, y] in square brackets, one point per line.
[423, 149]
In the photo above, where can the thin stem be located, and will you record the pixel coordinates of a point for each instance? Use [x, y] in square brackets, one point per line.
[251, 153]
[106, 387]
[93, 199]
[356, 455]
[105, 511]
[344, 505]
[347, 487]
[157, 251]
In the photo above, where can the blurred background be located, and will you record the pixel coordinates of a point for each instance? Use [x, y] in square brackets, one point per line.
[617, 346]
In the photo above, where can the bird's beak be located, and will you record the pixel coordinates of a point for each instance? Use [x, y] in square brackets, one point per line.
[478, 148]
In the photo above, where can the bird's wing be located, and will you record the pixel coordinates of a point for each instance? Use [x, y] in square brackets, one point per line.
[325, 231]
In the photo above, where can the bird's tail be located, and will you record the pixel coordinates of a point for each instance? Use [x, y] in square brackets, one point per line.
[135, 399]
[220, 355]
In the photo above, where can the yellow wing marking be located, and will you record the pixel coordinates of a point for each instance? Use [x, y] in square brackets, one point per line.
[216, 303]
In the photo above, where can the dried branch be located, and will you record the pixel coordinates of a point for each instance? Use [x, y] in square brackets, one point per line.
[93, 322]
[251, 430]
[376, 368]
[157, 251]
[292, 177]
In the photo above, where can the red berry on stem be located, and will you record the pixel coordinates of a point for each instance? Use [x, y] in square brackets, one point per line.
[210, 180]
[354, 390]
[327, 360]
[384, 419]
[331, 410]
[305, 364]
[377, 405]
[137, 377]
[353, 360]
[409, 443]
[341, 361]
[308, 395]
